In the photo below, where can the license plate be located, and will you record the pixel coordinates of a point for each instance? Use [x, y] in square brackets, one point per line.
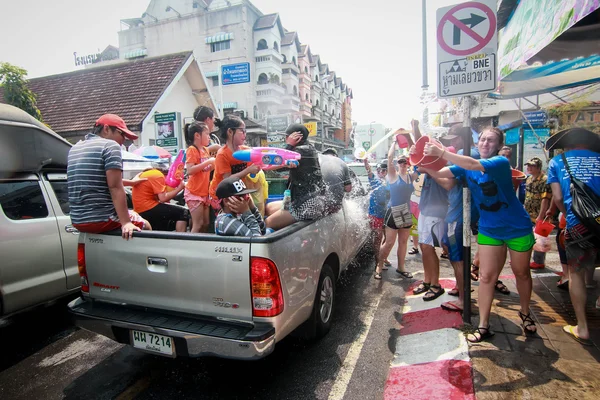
[153, 342]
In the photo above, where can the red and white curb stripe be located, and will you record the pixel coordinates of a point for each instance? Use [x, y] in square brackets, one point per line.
[432, 358]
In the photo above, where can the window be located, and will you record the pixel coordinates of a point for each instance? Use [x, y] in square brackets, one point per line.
[306, 97]
[263, 79]
[317, 103]
[284, 59]
[262, 45]
[316, 78]
[255, 112]
[220, 46]
[22, 200]
[325, 107]
[62, 194]
[294, 60]
[295, 91]
[276, 47]
[215, 80]
[306, 70]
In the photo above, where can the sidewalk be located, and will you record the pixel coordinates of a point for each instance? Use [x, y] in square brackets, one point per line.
[434, 361]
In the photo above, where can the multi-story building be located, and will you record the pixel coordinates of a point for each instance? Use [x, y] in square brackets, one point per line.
[285, 78]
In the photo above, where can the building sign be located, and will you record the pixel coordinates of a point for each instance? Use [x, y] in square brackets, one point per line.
[168, 131]
[466, 48]
[107, 55]
[586, 116]
[312, 128]
[536, 119]
[235, 73]
[277, 123]
[533, 145]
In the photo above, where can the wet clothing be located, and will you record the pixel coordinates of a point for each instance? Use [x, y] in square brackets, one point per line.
[502, 216]
[520, 244]
[378, 198]
[434, 199]
[453, 240]
[455, 204]
[400, 191]
[249, 223]
[89, 195]
[225, 163]
[431, 230]
[585, 166]
[164, 217]
[336, 176]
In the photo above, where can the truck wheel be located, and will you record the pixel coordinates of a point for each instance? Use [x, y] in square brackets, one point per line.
[324, 302]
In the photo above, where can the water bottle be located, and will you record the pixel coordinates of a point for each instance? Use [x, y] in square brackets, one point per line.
[287, 200]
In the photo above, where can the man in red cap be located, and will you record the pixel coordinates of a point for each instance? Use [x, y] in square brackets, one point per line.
[95, 180]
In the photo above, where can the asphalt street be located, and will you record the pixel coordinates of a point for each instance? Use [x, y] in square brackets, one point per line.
[45, 356]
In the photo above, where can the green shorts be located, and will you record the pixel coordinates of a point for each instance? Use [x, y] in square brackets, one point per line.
[520, 244]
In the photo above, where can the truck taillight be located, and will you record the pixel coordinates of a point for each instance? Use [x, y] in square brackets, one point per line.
[85, 286]
[267, 297]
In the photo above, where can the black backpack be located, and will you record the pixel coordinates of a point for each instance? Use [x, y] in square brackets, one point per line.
[585, 203]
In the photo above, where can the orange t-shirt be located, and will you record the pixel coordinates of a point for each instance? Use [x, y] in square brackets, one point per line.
[226, 164]
[144, 194]
[198, 183]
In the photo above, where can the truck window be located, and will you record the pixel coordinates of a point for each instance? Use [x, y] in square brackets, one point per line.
[22, 200]
[62, 194]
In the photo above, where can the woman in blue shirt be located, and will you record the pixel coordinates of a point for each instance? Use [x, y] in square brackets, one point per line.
[398, 217]
[503, 223]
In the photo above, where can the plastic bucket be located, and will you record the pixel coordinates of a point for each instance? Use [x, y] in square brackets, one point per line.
[429, 162]
[517, 177]
[543, 228]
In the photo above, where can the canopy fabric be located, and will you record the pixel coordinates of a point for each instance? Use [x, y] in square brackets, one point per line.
[549, 78]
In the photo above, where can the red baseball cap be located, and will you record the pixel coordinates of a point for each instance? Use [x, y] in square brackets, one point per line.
[117, 122]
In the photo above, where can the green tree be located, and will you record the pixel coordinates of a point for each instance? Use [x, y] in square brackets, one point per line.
[16, 92]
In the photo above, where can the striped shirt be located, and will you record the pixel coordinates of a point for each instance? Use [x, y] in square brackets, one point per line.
[249, 223]
[89, 195]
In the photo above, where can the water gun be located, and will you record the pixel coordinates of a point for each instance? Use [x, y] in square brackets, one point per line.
[175, 175]
[268, 157]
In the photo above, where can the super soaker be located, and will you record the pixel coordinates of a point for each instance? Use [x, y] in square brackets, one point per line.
[268, 157]
[175, 175]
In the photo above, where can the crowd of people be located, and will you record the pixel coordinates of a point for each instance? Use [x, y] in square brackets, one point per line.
[503, 212]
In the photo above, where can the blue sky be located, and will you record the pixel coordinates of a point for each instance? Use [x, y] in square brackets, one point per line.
[375, 46]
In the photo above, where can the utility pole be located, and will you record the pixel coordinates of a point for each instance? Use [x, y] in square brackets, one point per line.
[425, 85]
[467, 140]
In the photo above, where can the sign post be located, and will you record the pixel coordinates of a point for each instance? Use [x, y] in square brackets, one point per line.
[467, 44]
[168, 131]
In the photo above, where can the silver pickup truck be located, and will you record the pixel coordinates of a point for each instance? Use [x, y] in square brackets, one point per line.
[178, 294]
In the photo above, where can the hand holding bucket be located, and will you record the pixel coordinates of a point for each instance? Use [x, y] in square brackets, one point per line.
[543, 228]
[427, 153]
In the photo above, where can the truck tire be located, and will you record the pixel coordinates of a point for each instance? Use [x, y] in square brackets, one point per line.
[324, 303]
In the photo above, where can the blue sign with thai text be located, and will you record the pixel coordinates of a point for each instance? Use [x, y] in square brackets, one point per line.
[235, 73]
[537, 119]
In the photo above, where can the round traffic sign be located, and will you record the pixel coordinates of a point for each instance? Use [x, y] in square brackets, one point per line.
[481, 41]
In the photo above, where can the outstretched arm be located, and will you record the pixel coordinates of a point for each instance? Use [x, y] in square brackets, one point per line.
[465, 162]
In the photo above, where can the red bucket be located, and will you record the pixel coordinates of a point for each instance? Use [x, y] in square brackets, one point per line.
[543, 228]
[517, 177]
[429, 162]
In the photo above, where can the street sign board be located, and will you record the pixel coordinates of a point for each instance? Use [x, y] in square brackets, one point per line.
[537, 119]
[366, 145]
[312, 128]
[467, 44]
[235, 73]
[277, 123]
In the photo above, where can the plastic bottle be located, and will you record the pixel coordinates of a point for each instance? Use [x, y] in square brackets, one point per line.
[287, 200]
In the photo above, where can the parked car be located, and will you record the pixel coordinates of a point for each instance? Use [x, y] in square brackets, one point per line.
[361, 173]
[39, 244]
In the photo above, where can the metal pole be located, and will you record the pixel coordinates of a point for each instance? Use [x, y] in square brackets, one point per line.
[424, 29]
[221, 109]
[467, 140]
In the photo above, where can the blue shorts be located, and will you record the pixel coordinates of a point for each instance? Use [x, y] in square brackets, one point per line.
[453, 240]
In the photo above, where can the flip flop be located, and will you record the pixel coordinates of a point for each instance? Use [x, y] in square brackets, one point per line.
[453, 292]
[563, 284]
[569, 330]
[405, 274]
[450, 306]
[387, 264]
[377, 275]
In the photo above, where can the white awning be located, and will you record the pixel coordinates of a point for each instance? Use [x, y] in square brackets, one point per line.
[219, 37]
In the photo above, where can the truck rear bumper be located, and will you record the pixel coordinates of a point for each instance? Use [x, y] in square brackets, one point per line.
[192, 337]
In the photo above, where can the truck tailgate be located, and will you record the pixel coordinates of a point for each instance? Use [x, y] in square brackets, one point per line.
[206, 276]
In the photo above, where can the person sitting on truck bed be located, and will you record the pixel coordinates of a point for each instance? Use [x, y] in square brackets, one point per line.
[95, 181]
[151, 200]
[239, 216]
[305, 183]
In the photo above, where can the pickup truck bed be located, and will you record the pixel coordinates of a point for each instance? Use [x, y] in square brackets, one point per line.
[203, 294]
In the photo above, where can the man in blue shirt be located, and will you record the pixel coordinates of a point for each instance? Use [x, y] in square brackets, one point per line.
[378, 200]
[582, 152]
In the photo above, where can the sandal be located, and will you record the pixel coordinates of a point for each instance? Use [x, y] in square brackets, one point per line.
[444, 256]
[433, 294]
[377, 275]
[569, 330]
[483, 332]
[527, 322]
[414, 251]
[450, 306]
[501, 287]
[387, 264]
[474, 272]
[405, 274]
[453, 292]
[563, 284]
[422, 288]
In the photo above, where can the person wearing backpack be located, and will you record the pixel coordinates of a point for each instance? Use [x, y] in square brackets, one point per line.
[574, 177]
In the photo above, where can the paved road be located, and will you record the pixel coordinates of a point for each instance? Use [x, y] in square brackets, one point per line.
[49, 358]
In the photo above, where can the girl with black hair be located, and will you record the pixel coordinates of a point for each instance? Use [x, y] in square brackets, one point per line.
[207, 115]
[198, 164]
[233, 133]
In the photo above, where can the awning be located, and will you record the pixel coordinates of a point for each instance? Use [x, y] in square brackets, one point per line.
[550, 77]
[228, 106]
[219, 37]
[211, 74]
[136, 53]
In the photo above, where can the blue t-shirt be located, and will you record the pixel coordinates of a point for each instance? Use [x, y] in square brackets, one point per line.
[585, 166]
[378, 197]
[455, 206]
[502, 216]
[400, 192]
[434, 199]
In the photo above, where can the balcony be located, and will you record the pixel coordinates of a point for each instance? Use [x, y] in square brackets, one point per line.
[290, 68]
[270, 93]
[268, 55]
